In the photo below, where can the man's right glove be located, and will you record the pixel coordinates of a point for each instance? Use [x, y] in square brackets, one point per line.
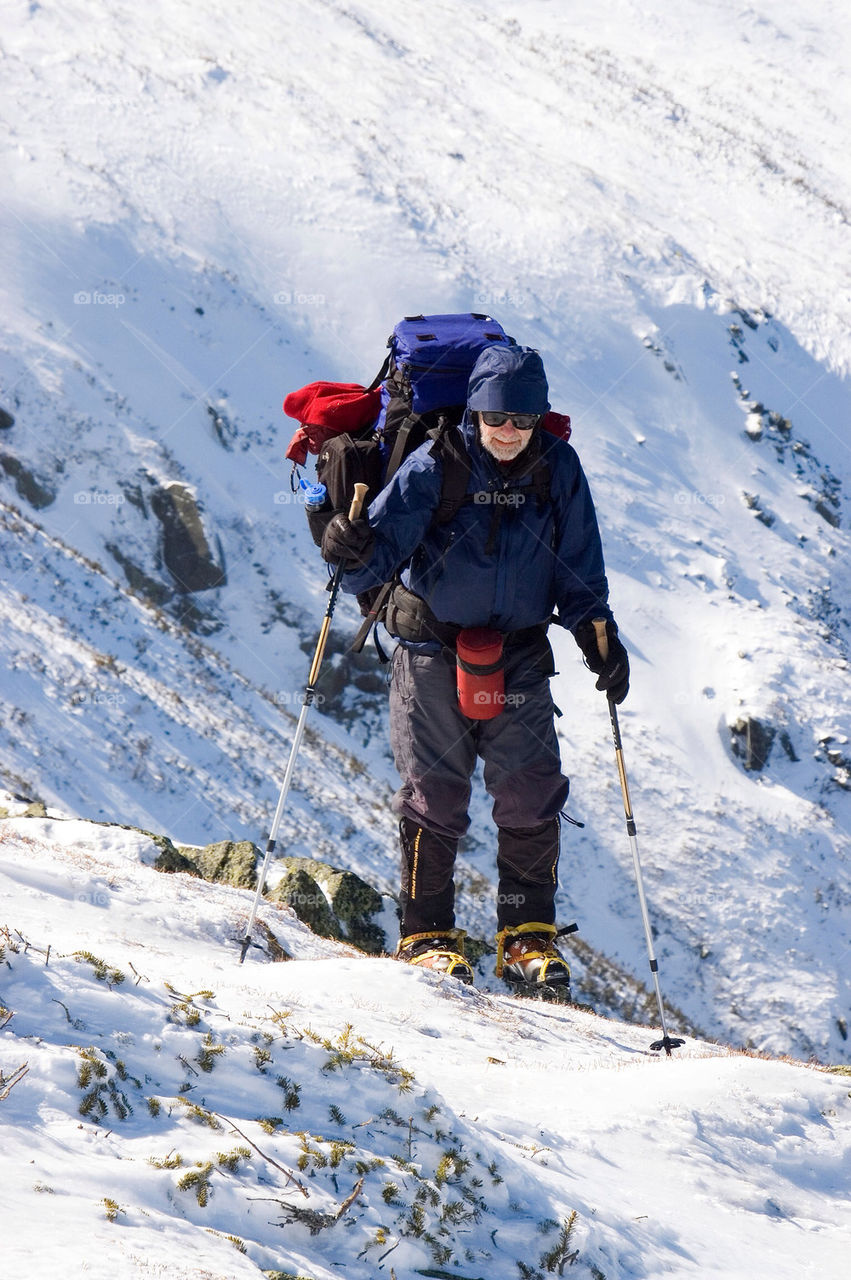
[347, 542]
[613, 671]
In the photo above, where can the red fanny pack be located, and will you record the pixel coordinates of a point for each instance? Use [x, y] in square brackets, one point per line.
[481, 673]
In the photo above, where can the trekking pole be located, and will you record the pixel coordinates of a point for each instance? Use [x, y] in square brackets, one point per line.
[667, 1042]
[307, 701]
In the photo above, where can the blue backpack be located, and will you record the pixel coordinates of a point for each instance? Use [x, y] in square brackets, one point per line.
[425, 376]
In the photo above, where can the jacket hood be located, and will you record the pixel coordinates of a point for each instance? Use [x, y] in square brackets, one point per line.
[510, 379]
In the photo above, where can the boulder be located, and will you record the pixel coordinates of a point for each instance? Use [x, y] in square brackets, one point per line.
[751, 742]
[33, 490]
[227, 862]
[298, 889]
[353, 905]
[186, 551]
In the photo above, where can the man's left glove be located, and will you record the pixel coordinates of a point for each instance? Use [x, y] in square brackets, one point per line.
[613, 670]
[347, 542]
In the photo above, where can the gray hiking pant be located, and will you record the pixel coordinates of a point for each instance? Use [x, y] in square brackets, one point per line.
[435, 747]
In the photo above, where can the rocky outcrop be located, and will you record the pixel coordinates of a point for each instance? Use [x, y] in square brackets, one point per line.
[227, 862]
[185, 549]
[333, 903]
[30, 487]
[139, 581]
[298, 889]
[751, 741]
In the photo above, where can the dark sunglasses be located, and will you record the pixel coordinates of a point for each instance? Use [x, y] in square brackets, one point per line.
[522, 421]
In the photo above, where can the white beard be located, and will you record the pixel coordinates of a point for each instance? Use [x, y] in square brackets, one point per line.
[503, 452]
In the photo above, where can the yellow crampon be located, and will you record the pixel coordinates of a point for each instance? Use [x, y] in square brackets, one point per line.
[547, 955]
[455, 959]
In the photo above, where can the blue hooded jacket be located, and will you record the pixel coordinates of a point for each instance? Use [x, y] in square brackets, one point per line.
[505, 560]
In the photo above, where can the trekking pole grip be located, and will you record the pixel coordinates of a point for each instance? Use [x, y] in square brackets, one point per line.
[602, 638]
[361, 490]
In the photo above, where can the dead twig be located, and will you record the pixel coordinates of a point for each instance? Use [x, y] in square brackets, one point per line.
[290, 1176]
[316, 1221]
[7, 1083]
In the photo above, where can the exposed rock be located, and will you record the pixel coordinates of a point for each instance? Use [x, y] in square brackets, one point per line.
[137, 579]
[276, 952]
[753, 503]
[226, 861]
[33, 490]
[298, 889]
[354, 902]
[751, 742]
[476, 948]
[346, 906]
[6, 420]
[32, 809]
[223, 428]
[186, 551]
[172, 859]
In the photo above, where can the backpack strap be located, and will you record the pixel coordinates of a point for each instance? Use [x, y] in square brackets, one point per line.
[377, 613]
[400, 447]
[382, 373]
[449, 447]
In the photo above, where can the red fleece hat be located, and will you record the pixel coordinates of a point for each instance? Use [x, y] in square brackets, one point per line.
[328, 409]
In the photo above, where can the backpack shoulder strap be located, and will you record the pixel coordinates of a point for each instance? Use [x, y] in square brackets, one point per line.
[449, 447]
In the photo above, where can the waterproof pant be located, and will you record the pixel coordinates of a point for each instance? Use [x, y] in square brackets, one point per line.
[435, 747]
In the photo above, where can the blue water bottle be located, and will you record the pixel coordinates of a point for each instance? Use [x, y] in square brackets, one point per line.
[314, 495]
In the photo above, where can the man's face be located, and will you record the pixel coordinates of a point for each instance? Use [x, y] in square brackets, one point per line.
[501, 438]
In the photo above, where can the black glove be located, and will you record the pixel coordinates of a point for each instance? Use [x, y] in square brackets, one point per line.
[347, 542]
[613, 672]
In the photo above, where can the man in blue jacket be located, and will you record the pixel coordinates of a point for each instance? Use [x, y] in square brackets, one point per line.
[523, 543]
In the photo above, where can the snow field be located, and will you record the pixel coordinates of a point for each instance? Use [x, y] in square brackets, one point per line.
[202, 1105]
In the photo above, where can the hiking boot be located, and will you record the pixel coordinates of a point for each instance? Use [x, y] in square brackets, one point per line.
[443, 952]
[528, 959]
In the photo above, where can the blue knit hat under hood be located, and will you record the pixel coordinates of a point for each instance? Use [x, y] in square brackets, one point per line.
[509, 379]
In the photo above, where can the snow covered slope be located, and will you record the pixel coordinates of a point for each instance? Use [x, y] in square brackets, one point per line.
[209, 207]
[166, 1112]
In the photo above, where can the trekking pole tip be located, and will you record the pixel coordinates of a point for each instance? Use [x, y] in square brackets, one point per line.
[667, 1043]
